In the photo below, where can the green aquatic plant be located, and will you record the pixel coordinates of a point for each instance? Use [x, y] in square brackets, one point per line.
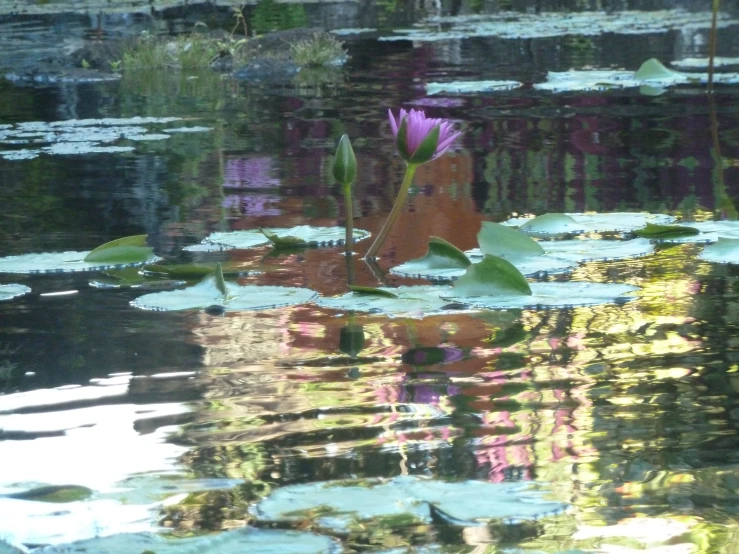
[345, 172]
[118, 253]
[320, 49]
[189, 51]
[418, 140]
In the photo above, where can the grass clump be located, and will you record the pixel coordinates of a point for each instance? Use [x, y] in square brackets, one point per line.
[190, 51]
[319, 49]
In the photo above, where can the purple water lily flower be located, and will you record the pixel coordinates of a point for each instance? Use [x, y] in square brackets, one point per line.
[418, 127]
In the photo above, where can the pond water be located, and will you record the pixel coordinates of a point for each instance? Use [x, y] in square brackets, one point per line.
[608, 428]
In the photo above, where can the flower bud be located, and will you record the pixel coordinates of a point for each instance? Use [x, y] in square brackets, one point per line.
[345, 163]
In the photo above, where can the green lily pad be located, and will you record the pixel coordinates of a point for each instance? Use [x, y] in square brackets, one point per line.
[442, 258]
[498, 240]
[407, 301]
[614, 222]
[553, 295]
[724, 251]
[652, 231]
[122, 251]
[13, 290]
[654, 70]
[54, 493]
[384, 293]
[58, 262]
[587, 23]
[462, 87]
[578, 251]
[247, 539]
[237, 297]
[344, 503]
[709, 231]
[492, 276]
[551, 224]
[303, 235]
[652, 73]
[588, 250]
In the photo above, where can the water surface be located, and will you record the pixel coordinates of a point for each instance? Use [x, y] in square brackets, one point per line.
[625, 413]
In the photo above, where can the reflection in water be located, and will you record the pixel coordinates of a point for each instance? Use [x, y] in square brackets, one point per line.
[626, 413]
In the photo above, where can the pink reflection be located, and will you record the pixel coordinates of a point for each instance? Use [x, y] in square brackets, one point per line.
[254, 172]
[252, 204]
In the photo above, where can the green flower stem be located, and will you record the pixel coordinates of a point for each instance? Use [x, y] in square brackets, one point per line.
[349, 209]
[394, 213]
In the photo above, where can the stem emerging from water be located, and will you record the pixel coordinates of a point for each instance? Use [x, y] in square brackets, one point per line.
[394, 213]
[712, 44]
[349, 239]
[349, 209]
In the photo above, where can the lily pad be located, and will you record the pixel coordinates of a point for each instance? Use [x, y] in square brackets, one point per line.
[553, 295]
[463, 87]
[613, 222]
[492, 276]
[517, 25]
[383, 293]
[58, 262]
[247, 539]
[207, 293]
[652, 231]
[709, 231]
[343, 503]
[407, 301]
[122, 251]
[79, 136]
[13, 290]
[578, 251]
[442, 260]
[588, 250]
[296, 236]
[724, 251]
[696, 63]
[652, 73]
[498, 240]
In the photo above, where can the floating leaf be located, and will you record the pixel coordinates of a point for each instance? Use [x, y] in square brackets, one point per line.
[710, 231]
[406, 301]
[654, 70]
[247, 539]
[724, 251]
[548, 225]
[498, 240]
[344, 503]
[440, 257]
[286, 241]
[13, 290]
[652, 231]
[463, 87]
[207, 293]
[553, 295]
[219, 281]
[54, 493]
[359, 289]
[125, 250]
[695, 63]
[587, 250]
[296, 236]
[492, 276]
[614, 222]
[58, 262]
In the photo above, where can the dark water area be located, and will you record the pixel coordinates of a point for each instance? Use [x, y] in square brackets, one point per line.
[624, 415]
